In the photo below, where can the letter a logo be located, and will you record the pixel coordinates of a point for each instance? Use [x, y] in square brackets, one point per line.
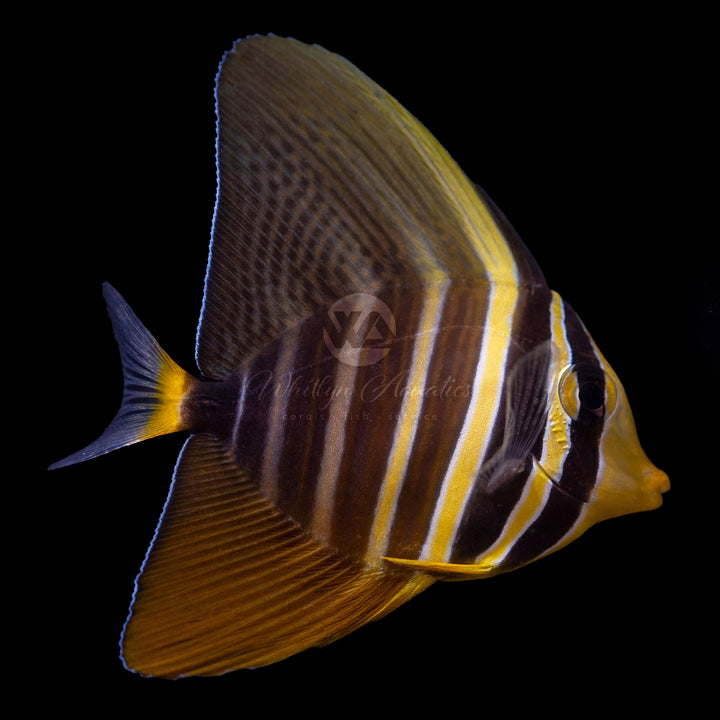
[359, 330]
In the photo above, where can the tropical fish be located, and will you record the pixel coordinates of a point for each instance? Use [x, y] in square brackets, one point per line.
[388, 392]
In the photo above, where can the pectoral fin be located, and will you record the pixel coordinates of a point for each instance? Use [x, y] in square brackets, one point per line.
[527, 401]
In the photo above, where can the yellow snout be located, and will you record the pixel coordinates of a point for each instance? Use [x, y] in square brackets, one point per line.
[628, 481]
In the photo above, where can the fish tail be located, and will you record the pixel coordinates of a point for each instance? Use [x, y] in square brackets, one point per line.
[154, 387]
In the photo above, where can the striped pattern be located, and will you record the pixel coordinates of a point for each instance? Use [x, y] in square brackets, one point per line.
[185, 616]
[379, 460]
[323, 176]
[386, 460]
[319, 490]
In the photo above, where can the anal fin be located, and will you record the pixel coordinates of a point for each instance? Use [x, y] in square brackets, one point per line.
[229, 582]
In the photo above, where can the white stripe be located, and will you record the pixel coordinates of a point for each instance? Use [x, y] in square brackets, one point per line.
[278, 413]
[239, 410]
[333, 448]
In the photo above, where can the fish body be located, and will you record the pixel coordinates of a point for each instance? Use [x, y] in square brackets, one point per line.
[388, 391]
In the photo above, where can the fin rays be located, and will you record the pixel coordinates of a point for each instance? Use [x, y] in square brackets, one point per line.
[154, 386]
[215, 595]
[321, 174]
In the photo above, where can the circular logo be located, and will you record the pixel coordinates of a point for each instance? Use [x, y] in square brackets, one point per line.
[359, 329]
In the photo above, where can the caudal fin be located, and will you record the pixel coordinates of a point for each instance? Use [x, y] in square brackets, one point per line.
[154, 386]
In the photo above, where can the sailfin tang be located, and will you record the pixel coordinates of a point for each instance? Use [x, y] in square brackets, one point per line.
[229, 582]
[154, 386]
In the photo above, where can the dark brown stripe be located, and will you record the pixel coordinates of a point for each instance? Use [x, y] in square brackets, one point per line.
[557, 517]
[580, 470]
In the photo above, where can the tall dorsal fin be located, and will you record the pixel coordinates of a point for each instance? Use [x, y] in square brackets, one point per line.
[326, 187]
[228, 582]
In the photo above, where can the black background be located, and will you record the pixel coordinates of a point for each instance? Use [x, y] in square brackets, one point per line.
[587, 130]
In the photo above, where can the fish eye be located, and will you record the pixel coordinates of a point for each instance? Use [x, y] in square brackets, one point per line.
[587, 394]
[592, 396]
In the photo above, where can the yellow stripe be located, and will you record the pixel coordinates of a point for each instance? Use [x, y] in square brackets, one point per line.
[407, 424]
[557, 439]
[555, 446]
[472, 444]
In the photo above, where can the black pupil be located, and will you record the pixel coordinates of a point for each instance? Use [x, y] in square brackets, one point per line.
[591, 396]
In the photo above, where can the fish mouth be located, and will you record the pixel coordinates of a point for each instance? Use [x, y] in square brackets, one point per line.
[661, 481]
[657, 483]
